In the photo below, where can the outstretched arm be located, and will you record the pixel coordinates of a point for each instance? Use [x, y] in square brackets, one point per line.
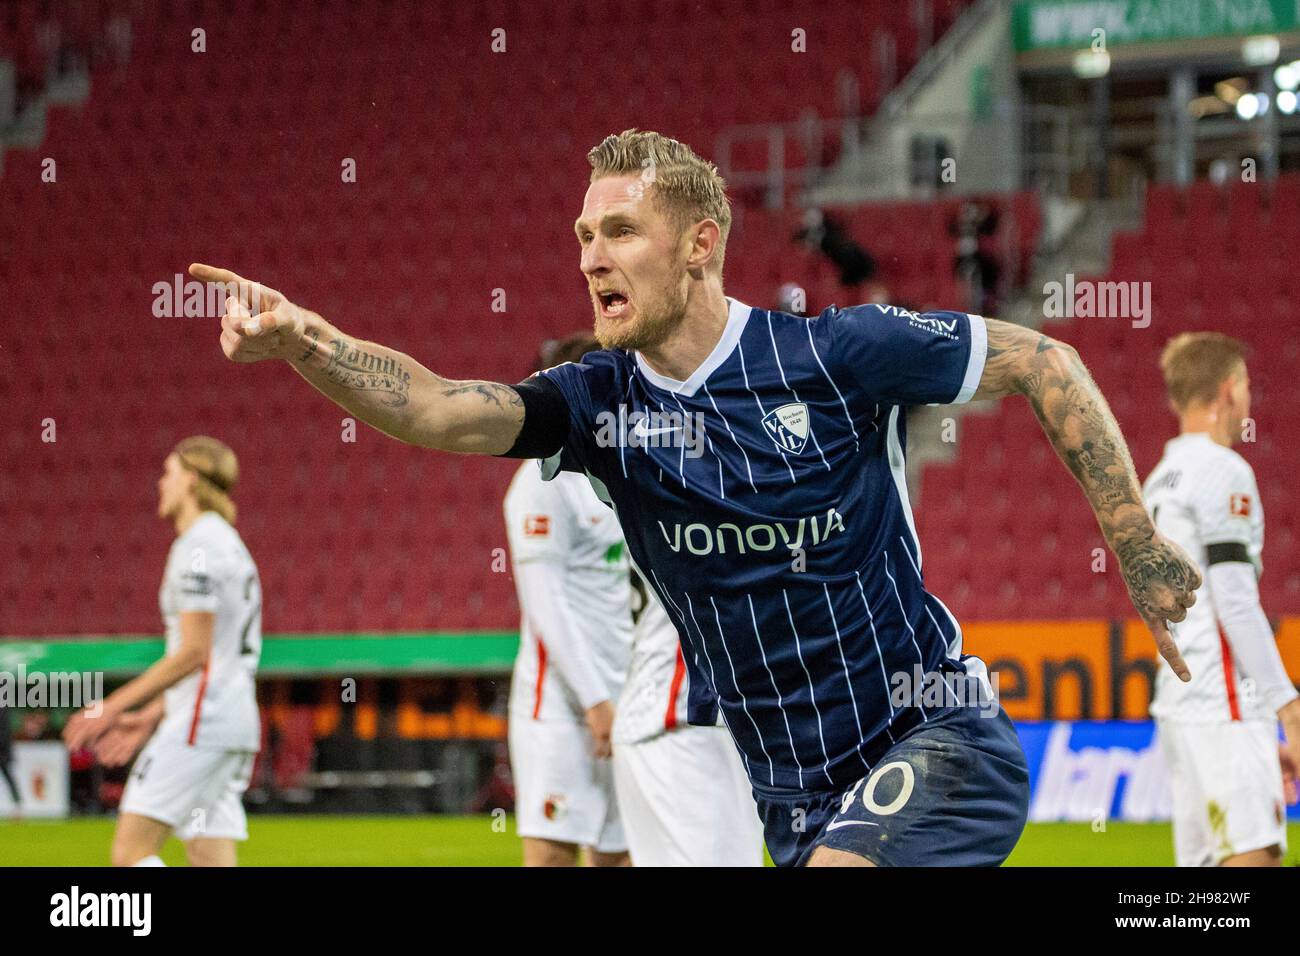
[88, 725]
[379, 385]
[1161, 579]
[121, 742]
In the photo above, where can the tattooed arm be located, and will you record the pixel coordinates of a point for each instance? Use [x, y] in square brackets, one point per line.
[379, 385]
[1161, 579]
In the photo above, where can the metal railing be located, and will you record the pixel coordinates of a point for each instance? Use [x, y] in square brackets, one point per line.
[810, 135]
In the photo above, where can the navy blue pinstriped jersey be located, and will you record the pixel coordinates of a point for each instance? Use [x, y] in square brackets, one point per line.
[765, 500]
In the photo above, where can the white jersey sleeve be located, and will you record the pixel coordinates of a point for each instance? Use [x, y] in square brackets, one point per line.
[209, 569]
[539, 521]
[199, 580]
[1223, 500]
[1242, 619]
[552, 622]
[572, 581]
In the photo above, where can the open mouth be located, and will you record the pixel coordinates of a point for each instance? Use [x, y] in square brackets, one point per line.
[613, 305]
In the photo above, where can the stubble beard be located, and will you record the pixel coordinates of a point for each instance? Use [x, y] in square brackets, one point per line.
[652, 324]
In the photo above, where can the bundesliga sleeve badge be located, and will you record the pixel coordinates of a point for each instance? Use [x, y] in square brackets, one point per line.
[537, 526]
[1239, 506]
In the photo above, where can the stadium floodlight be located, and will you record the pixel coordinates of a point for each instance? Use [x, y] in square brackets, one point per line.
[1091, 64]
[1286, 102]
[1287, 76]
[1248, 107]
[1260, 50]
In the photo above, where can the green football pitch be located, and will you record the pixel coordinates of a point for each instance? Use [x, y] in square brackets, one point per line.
[481, 841]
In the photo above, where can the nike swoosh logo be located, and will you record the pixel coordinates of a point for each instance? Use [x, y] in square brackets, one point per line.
[836, 824]
[648, 432]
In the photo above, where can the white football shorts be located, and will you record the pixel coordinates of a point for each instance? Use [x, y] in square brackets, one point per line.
[196, 791]
[1227, 789]
[562, 791]
[686, 801]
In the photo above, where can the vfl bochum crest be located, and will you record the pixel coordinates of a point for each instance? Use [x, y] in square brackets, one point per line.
[788, 426]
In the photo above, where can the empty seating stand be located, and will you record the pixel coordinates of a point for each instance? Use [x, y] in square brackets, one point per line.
[470, 168]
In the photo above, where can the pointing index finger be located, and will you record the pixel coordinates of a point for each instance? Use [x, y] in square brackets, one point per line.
[1168, 648]
[247, 291]
[206, 273]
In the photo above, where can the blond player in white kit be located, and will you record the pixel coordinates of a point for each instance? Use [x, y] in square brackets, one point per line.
[1219, 732]
[682, 790]
[197, 706]
[573, 580]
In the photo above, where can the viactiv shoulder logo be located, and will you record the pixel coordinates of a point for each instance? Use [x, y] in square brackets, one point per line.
[787, 426]
[936, 323]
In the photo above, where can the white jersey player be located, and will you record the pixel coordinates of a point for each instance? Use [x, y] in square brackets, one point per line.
[682, 790]
[1219, 732]
[573, 579]
[197, 707]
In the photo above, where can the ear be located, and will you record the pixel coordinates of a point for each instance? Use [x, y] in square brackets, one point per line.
[705, 237]
[1226, 387]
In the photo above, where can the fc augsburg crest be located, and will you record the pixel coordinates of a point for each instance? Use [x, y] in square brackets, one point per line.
[788, 427]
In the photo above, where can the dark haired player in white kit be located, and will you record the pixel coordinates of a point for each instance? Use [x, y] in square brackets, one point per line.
[755, 462]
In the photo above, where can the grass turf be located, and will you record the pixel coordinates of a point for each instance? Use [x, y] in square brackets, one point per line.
[473, 841]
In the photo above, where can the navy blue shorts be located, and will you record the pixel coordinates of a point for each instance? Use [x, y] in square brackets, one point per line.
[953, 791]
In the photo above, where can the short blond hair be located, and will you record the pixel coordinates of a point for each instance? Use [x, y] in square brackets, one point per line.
[218, 470]
[686, 187]
[1195, 364]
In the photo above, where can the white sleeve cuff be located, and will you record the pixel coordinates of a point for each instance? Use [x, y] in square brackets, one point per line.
[979, 352]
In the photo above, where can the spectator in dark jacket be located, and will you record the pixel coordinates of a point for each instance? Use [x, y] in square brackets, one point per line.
[6, 754]
[826, 235]
[976, 263]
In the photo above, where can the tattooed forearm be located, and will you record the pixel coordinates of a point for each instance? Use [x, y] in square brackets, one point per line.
[359, 370]
[394, 393]
[1078, 422]
[1076, 419]
[491, 392]
[313, 335]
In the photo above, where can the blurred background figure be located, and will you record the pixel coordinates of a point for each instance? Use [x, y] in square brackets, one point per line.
[192, 716]
[976, 262]
[826, 235]
[682, 789]
[573, 580]
[6, 757]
